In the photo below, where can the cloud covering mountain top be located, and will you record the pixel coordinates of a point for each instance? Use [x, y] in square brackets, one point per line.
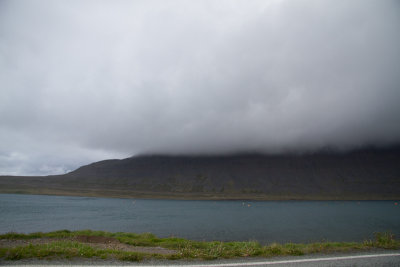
[87, 80]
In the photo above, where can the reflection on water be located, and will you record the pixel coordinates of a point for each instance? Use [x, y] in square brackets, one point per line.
[265, 221]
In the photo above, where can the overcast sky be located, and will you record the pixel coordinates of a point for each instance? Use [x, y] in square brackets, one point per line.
[82, 81]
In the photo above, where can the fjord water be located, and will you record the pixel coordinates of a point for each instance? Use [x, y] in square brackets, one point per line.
[264, 221]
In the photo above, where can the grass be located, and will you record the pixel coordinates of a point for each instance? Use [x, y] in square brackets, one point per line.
[66, 249]
[62, 247]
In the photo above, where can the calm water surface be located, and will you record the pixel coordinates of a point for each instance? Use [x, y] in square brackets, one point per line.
[265, 221]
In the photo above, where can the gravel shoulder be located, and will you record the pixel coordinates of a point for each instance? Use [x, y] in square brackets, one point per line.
[391, 261]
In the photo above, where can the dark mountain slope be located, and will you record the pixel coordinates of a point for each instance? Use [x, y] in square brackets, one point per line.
[363, 174]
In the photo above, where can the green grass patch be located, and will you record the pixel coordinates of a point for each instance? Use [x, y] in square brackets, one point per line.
[66, 249]
[62, 245]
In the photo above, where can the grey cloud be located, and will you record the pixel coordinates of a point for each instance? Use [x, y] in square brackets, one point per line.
[119, 78]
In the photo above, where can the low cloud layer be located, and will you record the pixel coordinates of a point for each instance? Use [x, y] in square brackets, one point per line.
[88, 80]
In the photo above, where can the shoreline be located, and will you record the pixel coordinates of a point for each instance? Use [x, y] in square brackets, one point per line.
[101, 245]
[190, 196]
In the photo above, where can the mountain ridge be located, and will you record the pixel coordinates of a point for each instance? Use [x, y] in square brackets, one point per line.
[360, 174]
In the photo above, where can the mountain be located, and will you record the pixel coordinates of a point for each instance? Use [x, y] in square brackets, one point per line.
[363, 174]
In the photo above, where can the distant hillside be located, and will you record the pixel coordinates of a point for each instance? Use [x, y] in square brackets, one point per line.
[362, 174]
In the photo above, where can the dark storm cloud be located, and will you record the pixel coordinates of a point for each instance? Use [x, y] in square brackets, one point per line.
[87, 80]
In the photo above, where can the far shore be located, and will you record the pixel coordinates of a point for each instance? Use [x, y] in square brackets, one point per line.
[186, 196]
